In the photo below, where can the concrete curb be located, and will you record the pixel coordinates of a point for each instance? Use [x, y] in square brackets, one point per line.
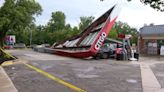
[6, 84]
[149, 81]
[161, 90]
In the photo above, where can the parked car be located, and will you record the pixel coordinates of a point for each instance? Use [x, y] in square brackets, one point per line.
[41, 48]
[106, 51]
[19, 45]
[8, 47]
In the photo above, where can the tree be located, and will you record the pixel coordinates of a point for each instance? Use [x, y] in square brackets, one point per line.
[85, 22]
[113, 34]
[57, 21]
[68, 27]
[155, 4]
[16, 15]
[123, 28]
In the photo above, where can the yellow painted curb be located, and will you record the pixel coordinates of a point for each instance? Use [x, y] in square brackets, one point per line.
[7, 63]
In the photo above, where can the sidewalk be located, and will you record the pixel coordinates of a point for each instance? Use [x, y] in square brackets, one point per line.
[6, 84]
[149, 79]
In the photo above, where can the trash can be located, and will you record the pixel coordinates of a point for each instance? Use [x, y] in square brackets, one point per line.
[136, 55]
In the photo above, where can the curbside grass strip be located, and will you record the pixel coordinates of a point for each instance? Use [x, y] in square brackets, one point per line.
[7, 54]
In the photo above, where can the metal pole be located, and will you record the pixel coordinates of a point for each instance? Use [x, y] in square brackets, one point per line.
[30, 38]
[138, 44]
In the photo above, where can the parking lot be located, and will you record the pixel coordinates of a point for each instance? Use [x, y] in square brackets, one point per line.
[89, 75]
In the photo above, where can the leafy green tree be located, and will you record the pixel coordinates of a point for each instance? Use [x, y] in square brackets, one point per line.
[68, 27]
[40, 35]
[123, 28]
[16, 15]
[57, 30]
[57, 21]
[155, 4]
[76, 31]
[113, 34]
[85, 22]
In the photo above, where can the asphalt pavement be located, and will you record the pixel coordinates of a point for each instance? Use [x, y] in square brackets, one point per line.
[90, 75]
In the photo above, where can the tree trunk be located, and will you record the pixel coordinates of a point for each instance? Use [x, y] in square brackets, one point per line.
[1, 42]
[2, 37]
[1, 53]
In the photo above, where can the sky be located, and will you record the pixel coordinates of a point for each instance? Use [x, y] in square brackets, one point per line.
[134, 13]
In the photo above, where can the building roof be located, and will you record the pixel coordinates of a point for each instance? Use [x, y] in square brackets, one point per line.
[152, 30]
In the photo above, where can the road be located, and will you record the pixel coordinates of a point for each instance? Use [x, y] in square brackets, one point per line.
[90, 75]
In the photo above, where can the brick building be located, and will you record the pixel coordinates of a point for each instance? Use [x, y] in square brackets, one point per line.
[151, 39]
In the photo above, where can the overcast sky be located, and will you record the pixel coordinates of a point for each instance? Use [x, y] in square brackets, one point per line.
[134, 13]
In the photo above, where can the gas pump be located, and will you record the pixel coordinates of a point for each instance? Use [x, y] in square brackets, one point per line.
[128, 53]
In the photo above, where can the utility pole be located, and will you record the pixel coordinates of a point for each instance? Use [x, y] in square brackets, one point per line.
[30, 35]
[30, 38]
